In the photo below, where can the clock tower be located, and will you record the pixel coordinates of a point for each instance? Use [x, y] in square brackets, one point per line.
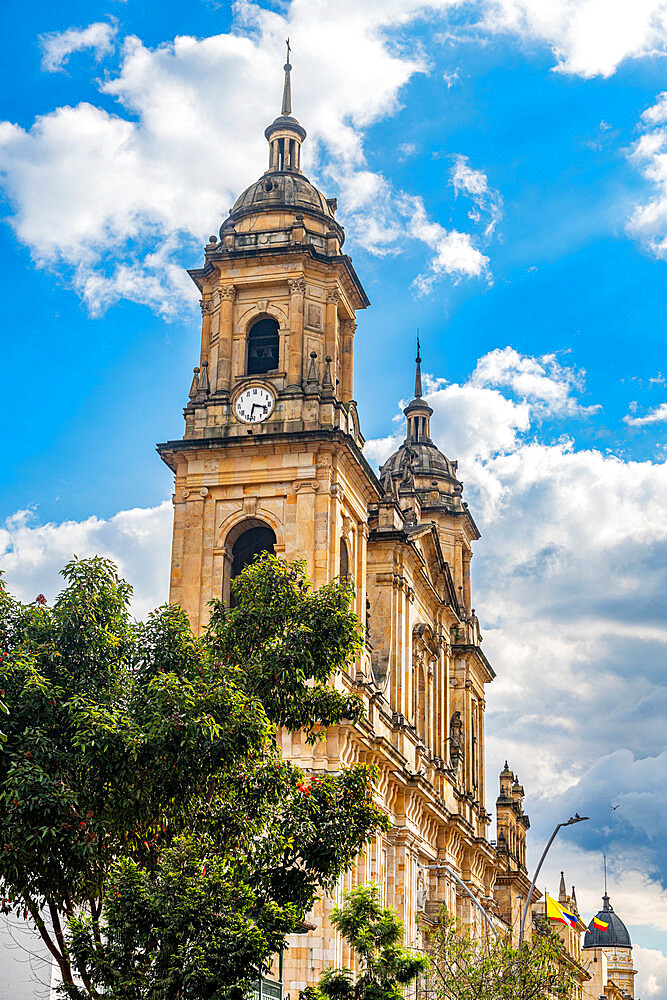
[271, 457]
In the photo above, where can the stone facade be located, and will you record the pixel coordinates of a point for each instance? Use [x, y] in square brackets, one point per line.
[278, 291]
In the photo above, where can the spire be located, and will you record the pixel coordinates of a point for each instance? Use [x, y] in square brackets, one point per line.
[418, 411]
[287, 86]
[575, 907]
[285, 135]
[562, 891]
[418, 373]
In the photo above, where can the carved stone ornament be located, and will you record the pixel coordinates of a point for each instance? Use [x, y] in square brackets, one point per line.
[263, 305]
[297, 286]
[347, 327]
[199, 494]
[227, 292]
[208, 306]
[307, 484]
[250, 505]
[333, 295]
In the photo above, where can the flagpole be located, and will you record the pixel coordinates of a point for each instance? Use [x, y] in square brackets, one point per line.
[573, 819]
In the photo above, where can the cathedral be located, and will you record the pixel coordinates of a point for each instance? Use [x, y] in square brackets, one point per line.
[272, 460]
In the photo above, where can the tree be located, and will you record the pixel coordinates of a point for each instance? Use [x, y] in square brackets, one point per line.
[149, 827]
[489, 968]
[375, 933]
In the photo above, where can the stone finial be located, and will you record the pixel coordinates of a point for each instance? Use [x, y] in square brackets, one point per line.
[312, 382]
[327, 381]
[195, 383]
[562, 892]
[204, 387]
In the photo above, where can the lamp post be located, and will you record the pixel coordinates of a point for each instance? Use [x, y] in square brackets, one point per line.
[465, 888]
[573, 819]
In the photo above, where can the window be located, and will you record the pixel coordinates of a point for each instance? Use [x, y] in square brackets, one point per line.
[263, 345]
[251, 543]
[344, 571]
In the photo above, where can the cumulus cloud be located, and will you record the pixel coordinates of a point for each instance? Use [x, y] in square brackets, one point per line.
[588, 37]
[58, 46]
[138, 540]
[648, 222]
[652, 966]
[116, 199]
[656, 416]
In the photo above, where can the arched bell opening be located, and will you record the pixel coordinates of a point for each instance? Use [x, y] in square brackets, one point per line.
[263, 347]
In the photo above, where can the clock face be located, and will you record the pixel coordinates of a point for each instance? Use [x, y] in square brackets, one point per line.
[254, 404]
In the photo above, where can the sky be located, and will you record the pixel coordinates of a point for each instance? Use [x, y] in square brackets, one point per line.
[501, 173]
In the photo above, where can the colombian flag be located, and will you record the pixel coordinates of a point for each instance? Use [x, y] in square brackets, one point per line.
[600, 925]
[556, 912]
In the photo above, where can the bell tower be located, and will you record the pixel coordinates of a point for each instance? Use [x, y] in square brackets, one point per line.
[271, 456]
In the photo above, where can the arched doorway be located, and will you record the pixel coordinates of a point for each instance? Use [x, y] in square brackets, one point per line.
[263, 347]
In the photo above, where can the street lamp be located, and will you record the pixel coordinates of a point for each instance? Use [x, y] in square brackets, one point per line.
[573, 819]
[465, 888]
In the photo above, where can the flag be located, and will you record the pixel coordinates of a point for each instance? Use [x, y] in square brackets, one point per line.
[600, 925]
[570, 918]
[554, 911]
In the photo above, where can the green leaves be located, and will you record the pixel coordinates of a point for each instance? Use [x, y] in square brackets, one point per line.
[143, 801]
[375, 933]
[468, 968]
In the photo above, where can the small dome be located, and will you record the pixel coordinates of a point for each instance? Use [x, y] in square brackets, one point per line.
[422, 458]
[282, 189]
[616, 934]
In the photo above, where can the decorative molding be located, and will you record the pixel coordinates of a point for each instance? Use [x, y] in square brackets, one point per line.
[348, 327]
[227, 292]
[297, 286]
[197, 494]
[208, 306]
[333, 295]
[310, 484]
[250, 505]
[263, 305]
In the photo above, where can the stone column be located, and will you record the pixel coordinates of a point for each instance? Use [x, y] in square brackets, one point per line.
[330, 323]
[347, 328]
[227, 297]
[207, 309]
[297, 288]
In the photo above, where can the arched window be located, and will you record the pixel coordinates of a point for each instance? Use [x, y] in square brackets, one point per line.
[259, 538]
[263, 346]
[344, 563]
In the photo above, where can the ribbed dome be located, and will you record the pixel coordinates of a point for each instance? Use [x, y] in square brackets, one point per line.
[282, 189]
[615, 935]
[422, 458]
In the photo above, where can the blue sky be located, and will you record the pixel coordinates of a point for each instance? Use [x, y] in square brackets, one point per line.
[501, 170]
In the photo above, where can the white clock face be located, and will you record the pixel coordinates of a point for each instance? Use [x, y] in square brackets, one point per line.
[254, 404]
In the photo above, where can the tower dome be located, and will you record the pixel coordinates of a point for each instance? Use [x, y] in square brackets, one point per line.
[615, 936]
[283, 188]
[418, 465]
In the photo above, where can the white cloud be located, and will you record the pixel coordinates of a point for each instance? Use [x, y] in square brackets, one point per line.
[58, 46]
[475, 185]
[90, 187]
[652, 966]
[656, 416]
[138, 540]
[648, 222]
[588, 37]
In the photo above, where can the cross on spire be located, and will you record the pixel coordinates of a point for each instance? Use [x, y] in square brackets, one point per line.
[287, 86]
